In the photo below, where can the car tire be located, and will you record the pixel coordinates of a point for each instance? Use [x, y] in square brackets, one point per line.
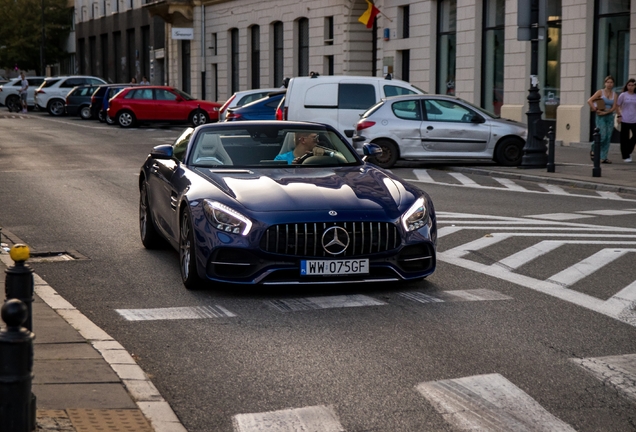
[150, 237]
[101, 116]
[509, 152]
[110, 121]
[198, 117]
[85, 112]
[13, 103]
[187, 256]
[389, 156]
[56, 107]
[126, 119]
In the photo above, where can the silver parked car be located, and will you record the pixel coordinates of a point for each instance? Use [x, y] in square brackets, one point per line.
[428, 127]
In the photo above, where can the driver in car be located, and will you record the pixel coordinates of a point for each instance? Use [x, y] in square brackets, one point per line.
[305, 146]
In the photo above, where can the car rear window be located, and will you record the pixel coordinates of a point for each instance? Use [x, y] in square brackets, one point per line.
[49, 82]
[251, 98]
[35, 81]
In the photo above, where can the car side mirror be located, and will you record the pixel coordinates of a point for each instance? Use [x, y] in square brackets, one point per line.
[476, 118]
[371, 149]
[164, 151]
[358, 138]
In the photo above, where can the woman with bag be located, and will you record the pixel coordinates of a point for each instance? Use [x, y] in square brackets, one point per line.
[603, 103]
[627, 118]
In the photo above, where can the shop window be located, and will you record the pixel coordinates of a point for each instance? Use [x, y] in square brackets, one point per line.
[446, 46]
[492, 84]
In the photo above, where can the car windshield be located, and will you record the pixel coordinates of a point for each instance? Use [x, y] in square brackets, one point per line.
[184, 94]
[250, 146]
[49, 82]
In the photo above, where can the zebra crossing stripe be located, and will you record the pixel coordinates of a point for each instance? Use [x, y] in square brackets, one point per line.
[175, 313]
[582, 269]
[617, 371]
[454, 296]
[465, 180]
[608, 212]
[315, 419]
[553, 189]
[423, 176]
[509, 184]
[560, 216]
[326, 302]
[533, 252]
[488, 402]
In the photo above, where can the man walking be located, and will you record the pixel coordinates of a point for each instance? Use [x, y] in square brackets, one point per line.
[24, 85]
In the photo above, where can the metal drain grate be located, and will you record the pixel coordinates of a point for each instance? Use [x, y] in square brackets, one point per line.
[51, 256]
[121, 420]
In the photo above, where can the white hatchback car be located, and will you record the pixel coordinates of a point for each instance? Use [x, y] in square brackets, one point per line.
[241, 98]
[430, 127]
[51, 95]
[10, 92]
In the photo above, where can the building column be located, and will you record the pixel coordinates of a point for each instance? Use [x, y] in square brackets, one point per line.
[468, 64]
[516, 69]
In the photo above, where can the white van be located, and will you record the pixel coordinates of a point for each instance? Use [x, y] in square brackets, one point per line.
[338, 100]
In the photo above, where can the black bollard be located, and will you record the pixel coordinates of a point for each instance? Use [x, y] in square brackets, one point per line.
[19, 281]
[596, 171]
[550, 149]
[16, 370]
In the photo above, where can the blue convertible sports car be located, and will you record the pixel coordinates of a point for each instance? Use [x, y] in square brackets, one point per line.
[274, 202]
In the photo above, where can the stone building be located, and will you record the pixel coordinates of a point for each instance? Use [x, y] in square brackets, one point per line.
[469, 48]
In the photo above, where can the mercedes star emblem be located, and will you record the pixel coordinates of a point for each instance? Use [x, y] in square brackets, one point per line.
[335, 240]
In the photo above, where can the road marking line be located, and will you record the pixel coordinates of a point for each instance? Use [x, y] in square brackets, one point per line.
[586, 267]
[608, 212]
[423, 176]
[326, 302]
[531, 253]
[465, 180]
[175, 313]
[475, 245]
[610, 195]
[315, 419]
[618, 371]
[420, 297]
[559, 216]
[481, 294]
[488, 402]
[510, 185]
[553, 189]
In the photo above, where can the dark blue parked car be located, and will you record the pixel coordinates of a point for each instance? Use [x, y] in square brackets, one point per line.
[261, 109]
[277, 202]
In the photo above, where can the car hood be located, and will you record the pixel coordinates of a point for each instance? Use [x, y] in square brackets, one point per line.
[508, 122]
[305, 189]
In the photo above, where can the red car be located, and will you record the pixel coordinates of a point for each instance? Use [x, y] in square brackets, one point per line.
[160, 104]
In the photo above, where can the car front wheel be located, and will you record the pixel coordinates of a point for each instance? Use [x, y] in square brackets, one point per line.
[126, 119]
[389, 155]
[187, 256]
[199, 117]
[509, 152]
[56, 107]
[85, 113]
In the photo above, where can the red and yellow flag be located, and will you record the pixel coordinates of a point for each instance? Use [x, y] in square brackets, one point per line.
[368, 17]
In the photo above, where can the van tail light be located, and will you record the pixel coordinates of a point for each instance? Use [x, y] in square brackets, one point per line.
[39, 91]
[225, 105]
[66, 100]
[230, 116]
[281, 113]
[364, 124]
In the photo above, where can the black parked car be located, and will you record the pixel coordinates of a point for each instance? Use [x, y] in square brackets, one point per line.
[78, 101]
[99, 101]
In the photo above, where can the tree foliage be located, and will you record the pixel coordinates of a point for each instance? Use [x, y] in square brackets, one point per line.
[21, 32]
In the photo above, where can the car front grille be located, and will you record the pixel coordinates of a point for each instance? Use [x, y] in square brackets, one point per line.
[305, 239]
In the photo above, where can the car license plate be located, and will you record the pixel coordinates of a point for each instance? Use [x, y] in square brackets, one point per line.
[334, 267]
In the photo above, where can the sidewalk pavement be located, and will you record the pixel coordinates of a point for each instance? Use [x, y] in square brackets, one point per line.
[85, 380]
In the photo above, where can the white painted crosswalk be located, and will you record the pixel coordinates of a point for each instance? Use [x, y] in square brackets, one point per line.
[618, 372]
[612, 243]
[456, 179]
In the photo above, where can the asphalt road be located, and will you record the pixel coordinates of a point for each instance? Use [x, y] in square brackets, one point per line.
[400, 357]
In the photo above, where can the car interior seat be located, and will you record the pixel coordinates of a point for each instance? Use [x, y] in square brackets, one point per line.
[289, 143]
[211, 148]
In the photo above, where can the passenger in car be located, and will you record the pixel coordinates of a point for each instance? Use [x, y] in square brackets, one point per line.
[305, 146]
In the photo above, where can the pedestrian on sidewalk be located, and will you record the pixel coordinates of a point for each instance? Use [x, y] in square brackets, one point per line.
[603, 103]
[627, 119]
[24, 86]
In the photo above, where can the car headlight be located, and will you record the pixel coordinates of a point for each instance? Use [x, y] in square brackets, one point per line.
[415, 217]
[226, 219]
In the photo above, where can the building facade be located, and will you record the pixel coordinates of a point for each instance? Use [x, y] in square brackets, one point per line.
[468, 48]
